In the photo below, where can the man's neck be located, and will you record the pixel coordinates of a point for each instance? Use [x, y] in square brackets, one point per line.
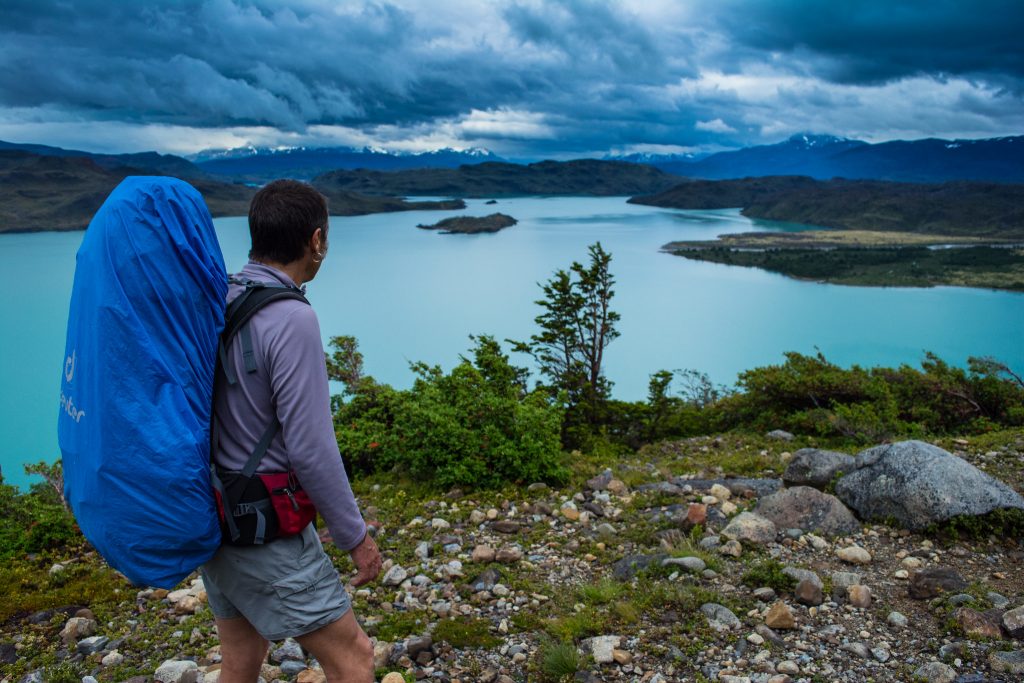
[294, 270]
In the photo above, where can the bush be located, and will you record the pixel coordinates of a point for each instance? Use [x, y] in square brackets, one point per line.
[476, 426]
[810, 395]
[37, 520]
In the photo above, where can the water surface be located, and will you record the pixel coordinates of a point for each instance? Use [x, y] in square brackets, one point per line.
[410, 294]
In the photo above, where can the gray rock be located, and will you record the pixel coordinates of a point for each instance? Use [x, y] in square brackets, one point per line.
[1013, 622]
[750, 527]
[292, 667]
[92, 644]
[422, 550]
[859, 649]
[693, 564]
[997, 600]
[934, 581]
[177, 671]
[919, 484]
[418, 644]
[935, 672]
[289, 650]
[810, 510]
[738, 486]
[89, 679]
[779, 435]
[799, 574]
[601, 647]
[1007, 662]
[600, 482]
[897, 619]
[720, 617]
[627, 568]
[816, 467]
[486, 580]
[33, 677]
[394, 576]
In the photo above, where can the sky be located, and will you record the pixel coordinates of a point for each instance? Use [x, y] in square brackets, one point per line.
[523, 78]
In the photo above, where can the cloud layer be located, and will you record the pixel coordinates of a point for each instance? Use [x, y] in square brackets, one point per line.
[523, 78]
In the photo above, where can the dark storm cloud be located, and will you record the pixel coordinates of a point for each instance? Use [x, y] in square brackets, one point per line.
[220, 62]
[561, 76]
[875, 41]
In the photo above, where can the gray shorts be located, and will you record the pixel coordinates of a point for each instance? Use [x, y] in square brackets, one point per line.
[286, 588]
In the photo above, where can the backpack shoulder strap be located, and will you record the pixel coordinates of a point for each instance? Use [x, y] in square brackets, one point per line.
[237, 317]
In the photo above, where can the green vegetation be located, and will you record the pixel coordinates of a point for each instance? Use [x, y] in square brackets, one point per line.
[898, 266]
[476, 426]
[472, 224]
[559, 661]
[464, 633]
[768, 572]
[576, 326]
[38, 520]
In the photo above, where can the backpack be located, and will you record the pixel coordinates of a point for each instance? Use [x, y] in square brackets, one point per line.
[254, 508]
[147, 308]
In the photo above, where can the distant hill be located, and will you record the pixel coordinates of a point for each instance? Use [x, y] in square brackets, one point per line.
[493, 179]
[165, 164]
[54, 192]
[304, 163]
[956, 208]
[825, 157]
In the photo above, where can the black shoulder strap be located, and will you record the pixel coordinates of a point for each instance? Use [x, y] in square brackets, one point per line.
[239, 312]
[236, 319]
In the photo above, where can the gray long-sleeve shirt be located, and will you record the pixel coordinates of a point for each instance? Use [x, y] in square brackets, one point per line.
[291, 382]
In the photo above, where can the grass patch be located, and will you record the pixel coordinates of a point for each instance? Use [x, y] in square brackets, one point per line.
[395, 626]
[28, 587]
[600, 593]
[466, 633]
[768, 572]
[559, 661]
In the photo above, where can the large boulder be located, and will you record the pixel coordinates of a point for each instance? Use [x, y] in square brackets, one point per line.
[802, 507]
[919, 484]
[816, 467]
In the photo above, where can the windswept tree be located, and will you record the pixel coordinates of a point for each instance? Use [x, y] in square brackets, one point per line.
[576, 325]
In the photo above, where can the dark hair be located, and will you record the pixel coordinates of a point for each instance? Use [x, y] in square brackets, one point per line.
[283, 216]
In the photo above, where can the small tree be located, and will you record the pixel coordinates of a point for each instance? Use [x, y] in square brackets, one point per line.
[576, 325]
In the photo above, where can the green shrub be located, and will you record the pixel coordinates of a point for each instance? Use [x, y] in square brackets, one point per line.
[559, 661]
[475, 426]
[768, 573]
[35, 521]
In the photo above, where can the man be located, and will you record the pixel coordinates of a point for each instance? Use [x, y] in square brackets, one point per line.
[288, 587]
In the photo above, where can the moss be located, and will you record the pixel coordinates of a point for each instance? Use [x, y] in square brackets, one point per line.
[768, 572]
[463, 633]
[398, 625]
[1003, 523]
[27, 587]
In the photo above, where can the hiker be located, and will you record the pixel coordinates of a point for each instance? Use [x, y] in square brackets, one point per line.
[286, 586]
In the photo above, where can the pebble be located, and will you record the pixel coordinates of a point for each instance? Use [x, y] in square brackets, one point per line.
[897, 619]
[854, 554]
[860, 596]
[483, 554]
[788, 666]
[935, 672]
[780, 616]
[177, 671]
[602, 648]
[395, 576]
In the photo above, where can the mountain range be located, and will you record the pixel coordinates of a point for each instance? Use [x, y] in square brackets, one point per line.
[825, 156]
[261, 164]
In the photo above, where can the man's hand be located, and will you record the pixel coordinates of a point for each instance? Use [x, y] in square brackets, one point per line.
[366, 558]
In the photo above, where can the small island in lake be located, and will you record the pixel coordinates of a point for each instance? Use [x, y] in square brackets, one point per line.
[470, 225]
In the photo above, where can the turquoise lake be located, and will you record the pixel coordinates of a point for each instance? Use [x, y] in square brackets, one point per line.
[410, 294]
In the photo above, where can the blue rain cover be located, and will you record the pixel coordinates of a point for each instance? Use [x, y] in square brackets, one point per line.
[136, 388]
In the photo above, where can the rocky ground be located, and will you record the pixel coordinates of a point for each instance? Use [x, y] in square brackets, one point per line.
[664, 566]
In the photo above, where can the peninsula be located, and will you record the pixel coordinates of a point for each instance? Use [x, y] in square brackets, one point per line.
[879, 233]
[470, 225]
